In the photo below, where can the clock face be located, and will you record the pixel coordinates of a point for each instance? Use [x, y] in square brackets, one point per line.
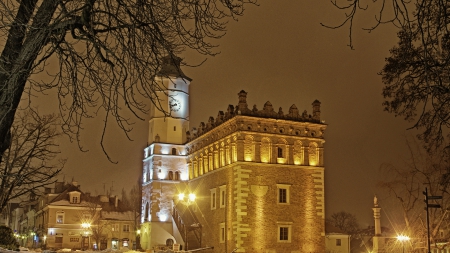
[174, 105]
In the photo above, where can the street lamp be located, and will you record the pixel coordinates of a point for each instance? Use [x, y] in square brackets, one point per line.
[86, 226]
[187, 202]
[403, 239]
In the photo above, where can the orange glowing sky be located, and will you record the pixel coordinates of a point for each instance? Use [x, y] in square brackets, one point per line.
[279, 52]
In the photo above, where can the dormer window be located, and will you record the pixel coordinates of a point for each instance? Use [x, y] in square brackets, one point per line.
[74, 197]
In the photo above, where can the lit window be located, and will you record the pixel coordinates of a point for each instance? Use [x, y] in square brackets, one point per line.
[338, 242]
[126, 228]
[222, 232]
[115, 227]
[283, 194]
[223, 196]
[213, 199]
[60, 217]
[284, 232]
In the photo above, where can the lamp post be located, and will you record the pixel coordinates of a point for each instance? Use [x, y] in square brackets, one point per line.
[189, 201]
[403, 239]
[86, 226]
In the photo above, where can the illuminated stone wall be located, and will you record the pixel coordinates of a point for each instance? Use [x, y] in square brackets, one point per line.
[242, 155]
[252, 213]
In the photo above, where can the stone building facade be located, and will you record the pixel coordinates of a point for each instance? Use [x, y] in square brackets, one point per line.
[258, 178]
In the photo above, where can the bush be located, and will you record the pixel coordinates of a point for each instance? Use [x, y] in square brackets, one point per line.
[7, 239]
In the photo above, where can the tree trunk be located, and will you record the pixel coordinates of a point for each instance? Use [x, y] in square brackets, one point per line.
[16, 61]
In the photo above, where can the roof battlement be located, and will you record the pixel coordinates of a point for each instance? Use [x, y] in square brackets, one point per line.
[267, 112]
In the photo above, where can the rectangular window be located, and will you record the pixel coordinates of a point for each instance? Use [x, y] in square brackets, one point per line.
[223, 196]
[74, 199]
[60, 218]
[213, 199]
[280, 152]
[283, 194]
[58, 239]
[115, 227]
[338, 242]
[126, 228]
[284, 232]
[222, 232]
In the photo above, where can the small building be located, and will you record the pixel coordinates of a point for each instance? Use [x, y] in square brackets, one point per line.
[336, 240]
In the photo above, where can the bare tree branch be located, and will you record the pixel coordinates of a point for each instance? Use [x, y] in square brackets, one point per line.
[30, 162]
[101, 56]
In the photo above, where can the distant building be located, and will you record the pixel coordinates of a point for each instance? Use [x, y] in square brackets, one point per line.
[65, 217]
[336, 240]
[258, 175]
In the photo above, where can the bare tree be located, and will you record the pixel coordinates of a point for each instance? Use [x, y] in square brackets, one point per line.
[345, 221]
[416, 76]
[100, 54]
[132, 202]
[91, 220]
[406, 182]
[30, 162]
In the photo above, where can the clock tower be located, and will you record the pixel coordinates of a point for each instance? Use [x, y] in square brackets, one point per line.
[169, 118]
[164, 164]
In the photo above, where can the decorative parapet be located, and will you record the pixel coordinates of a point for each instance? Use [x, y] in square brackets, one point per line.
[312, 131]
[266, 112]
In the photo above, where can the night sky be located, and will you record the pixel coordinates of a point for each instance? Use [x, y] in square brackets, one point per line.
[279, 52]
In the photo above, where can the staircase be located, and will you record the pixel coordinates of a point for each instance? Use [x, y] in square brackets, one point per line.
[188, 225]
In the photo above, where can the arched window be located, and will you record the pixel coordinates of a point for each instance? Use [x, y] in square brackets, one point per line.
[170, 175]
[174, 151]
[177, 175]
[169, 242]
